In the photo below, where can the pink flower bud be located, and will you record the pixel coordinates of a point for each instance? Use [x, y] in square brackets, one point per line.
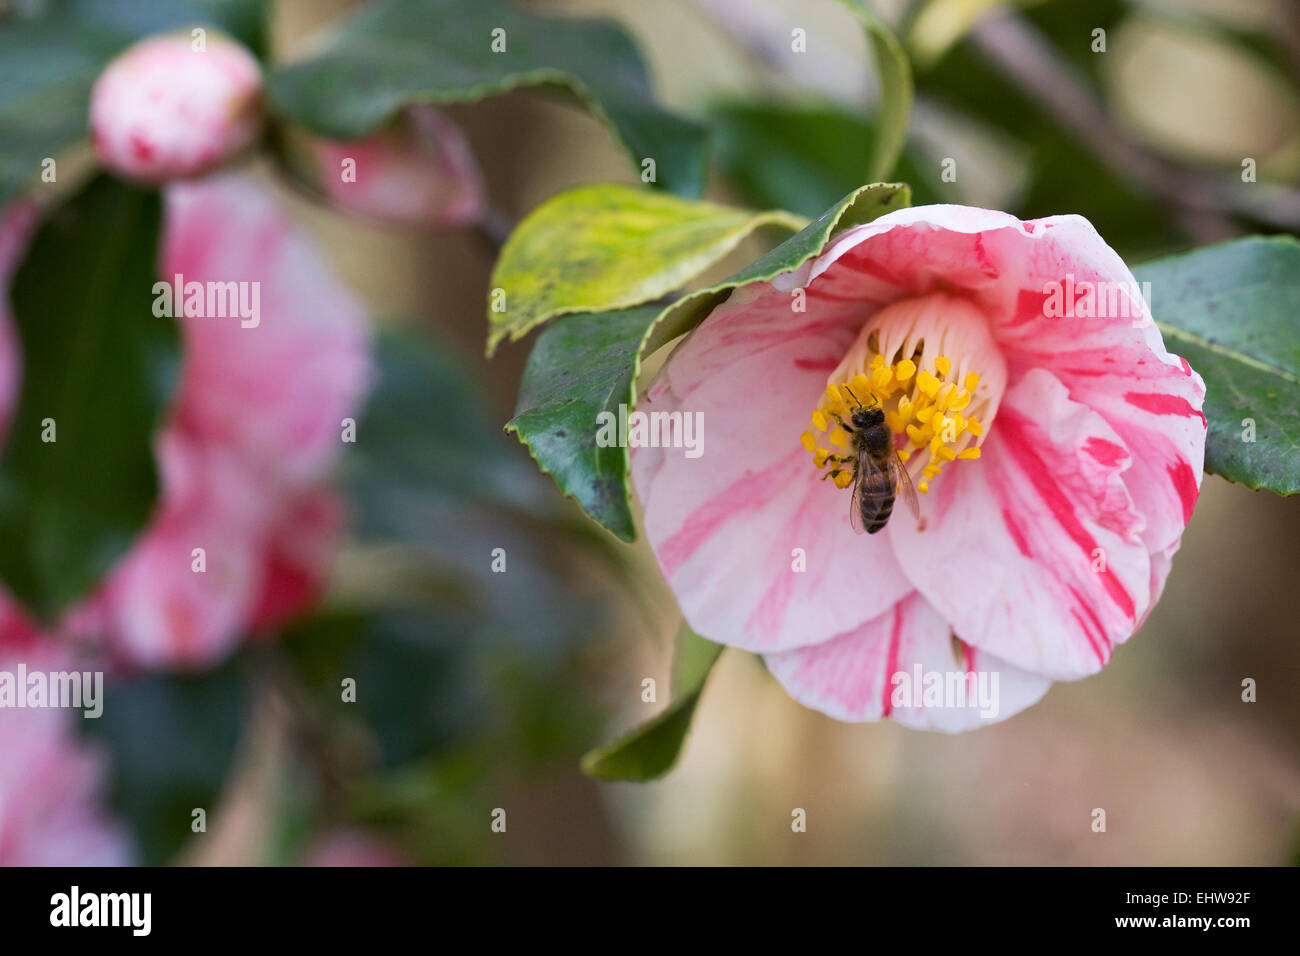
[421, 173]
[165, 109]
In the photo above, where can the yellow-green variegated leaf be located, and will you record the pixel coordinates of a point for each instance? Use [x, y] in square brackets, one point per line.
[605, 247]
[584, 366]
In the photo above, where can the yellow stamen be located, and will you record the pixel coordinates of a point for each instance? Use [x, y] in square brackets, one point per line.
[918, 404]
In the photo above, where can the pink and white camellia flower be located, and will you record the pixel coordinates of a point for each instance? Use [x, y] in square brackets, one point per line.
[1058, 457]
[169, 108]
[420, 173]
[244, 455]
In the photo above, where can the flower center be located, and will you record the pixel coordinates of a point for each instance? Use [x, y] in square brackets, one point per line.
[930, 364]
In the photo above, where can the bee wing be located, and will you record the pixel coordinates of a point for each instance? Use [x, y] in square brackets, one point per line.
[860, 521]
[905, 488]
[855, 509]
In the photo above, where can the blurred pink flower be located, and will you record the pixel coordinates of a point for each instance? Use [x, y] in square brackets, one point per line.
[245, 454]
[164, 110]
[420, 173]
[1059, 458]
[51, 795]
[347, 847]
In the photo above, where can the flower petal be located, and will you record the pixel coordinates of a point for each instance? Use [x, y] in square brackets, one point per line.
[726, 527]
[155, 607]
[1010, 542]
[1112, 358]
[277, 391]
[423, 175]
[51, 784]
[872, 672]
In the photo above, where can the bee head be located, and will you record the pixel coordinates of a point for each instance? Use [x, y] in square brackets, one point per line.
[868, 417]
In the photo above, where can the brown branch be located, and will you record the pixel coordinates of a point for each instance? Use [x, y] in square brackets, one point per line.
[1023, 55]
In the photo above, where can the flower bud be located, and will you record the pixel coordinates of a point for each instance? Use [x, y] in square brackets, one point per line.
[170, 107]
[421, 172]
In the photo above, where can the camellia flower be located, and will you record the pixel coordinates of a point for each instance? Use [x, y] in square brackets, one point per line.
[420, 173]
[1056, 446]
[244, 455]
[51, 785]
[167, 108]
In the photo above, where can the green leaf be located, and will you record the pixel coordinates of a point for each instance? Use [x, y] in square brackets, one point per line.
[895, 107]
[580, 367]
[171, 742]
[49, 63]
[583, 365]
[803, 157]
[1229, 309]
[99, 364]
[650, 750]
[399, 52]
[605, 247]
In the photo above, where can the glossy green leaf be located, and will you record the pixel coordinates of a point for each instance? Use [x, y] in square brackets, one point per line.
[399, 52]
[583, 365]
[560, 398]
[1230, 310]
[605, 247]
[49, 62]
[895, 107]
[99, 370]
[650, 750]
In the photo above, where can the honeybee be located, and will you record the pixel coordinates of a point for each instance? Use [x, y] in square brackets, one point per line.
[878, 472]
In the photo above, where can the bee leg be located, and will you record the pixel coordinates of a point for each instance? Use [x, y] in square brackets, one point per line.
[839, 421]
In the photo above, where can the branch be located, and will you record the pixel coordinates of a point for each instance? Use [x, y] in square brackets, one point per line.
[1023, 55]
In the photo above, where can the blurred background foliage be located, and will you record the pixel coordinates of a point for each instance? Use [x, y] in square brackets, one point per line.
[479, 690]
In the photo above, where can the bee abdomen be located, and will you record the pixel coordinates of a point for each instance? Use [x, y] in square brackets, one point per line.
[880, 518]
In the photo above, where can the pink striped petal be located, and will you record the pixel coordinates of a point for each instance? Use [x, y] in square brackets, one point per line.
[725, 526]
[1010, 542]
[279, 391]
[1115, 363]
[898, 665]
